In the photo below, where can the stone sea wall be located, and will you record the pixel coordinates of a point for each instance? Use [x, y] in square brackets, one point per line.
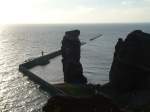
[43, 60]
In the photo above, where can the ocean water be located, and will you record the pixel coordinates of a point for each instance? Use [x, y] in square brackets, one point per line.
[21, 42]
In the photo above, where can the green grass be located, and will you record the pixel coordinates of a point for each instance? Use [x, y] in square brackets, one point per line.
[76, 90]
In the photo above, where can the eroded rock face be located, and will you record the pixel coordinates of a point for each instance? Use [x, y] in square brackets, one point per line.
[130, 69]
[72, 68]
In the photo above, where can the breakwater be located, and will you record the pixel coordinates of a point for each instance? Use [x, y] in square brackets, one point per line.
[95, 37]
[42, 60]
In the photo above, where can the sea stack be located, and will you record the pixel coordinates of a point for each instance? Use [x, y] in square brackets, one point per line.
[72, 68]
[130, 70]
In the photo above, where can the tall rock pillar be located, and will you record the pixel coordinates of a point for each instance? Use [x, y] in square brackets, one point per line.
[72, 68]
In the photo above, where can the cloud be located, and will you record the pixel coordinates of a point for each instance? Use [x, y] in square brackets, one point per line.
[127, 2]
[147, 0]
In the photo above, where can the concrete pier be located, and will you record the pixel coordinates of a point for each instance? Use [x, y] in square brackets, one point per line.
[43, 60]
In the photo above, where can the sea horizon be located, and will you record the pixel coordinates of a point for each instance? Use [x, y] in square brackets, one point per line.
[82, 23]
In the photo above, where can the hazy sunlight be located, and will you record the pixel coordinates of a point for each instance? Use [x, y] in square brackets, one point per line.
[78, 11]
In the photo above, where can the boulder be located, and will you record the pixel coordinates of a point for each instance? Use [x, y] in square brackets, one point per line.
[130, 68]
[72, 68]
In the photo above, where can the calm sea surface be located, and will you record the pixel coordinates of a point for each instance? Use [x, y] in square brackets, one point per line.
[21, 42]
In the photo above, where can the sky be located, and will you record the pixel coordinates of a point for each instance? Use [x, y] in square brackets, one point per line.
[74, 11]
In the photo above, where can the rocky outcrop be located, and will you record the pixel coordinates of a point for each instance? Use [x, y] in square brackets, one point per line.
[97, 103]
[72, 68]
[130, 70]
[129, 85]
